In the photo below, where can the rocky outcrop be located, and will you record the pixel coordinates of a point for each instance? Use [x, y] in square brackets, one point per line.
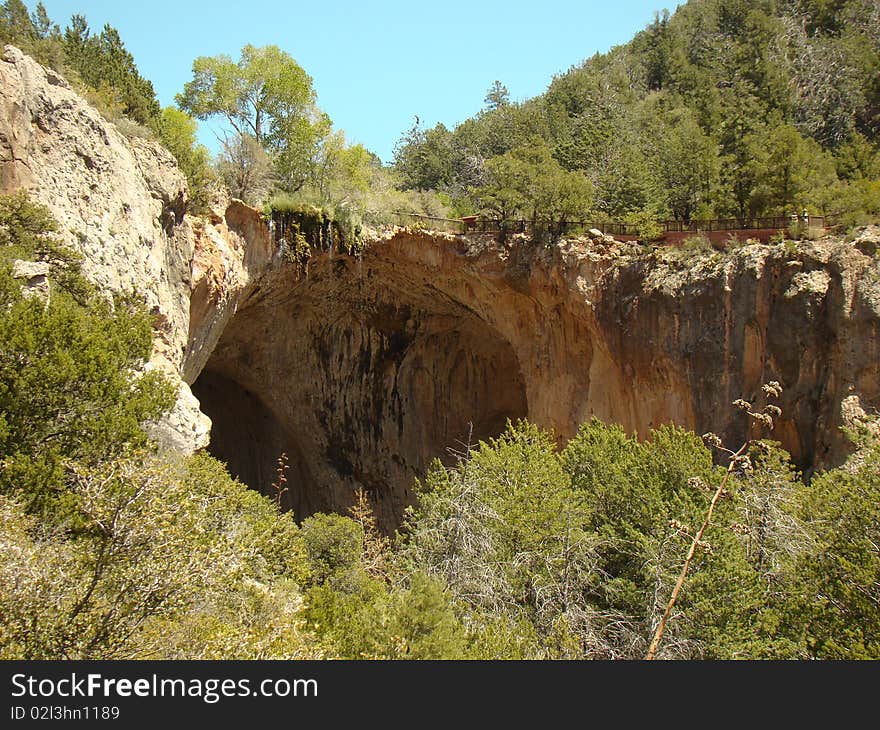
[117, 200]
[121, 202]
[362, 369]
[35, 278]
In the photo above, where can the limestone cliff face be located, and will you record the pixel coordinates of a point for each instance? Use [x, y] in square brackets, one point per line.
[364, 369]
[121, 203]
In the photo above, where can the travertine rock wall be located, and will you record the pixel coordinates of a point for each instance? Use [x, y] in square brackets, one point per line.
[121, 201]
[364, 369]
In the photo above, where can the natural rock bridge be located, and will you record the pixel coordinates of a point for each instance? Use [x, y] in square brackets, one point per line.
[363, 368]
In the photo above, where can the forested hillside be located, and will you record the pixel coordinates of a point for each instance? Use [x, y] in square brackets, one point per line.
[727, 108]
[724, 109]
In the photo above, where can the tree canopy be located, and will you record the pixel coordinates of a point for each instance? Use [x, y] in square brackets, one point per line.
[721, 109]
[267, 95]
[528, 183]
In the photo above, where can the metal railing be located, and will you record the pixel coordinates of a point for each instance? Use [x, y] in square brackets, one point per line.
[739, 224]
[428, 222]
[281, 222]
[616, 228]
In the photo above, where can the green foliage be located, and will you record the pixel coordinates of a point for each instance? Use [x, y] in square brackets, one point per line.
[27, 232]
[497, 96]
[172, 559]
[177, 133]
[416, 622]
[68, 386]
[304, 227]
[33, 32]
[696, 244]
[333, 548]
[836, 592]
[574, 553]
[858, 203]
[282, 142]
[686, 164]
[645, 223]
[528, 183]
[634, 492]
[266, 95]
[721, 109]
[343, 173]
[103, 63]
[505, 531]
[27, 226]
[245, 168]
[423, 158]
[356, 613]
[788, 169]
[112, 577]
[245, 604]
[260, 94]
[422, 624]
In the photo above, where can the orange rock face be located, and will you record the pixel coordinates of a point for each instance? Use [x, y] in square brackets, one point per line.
[365, 369]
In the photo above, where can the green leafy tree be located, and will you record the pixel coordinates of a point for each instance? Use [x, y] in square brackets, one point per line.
[497, 96]
[16, 23]
[33, 32]
[528, 181]
[505, 531]
[68, 367]
[423, 158]
[658, 51]
[102, 62]
[790, 171]
[333, 546]
[686, 163]
[177, 132]
[859, 159]
[172, 559]
[266, 95]
[504, 194]
[857, 202]
[835, 602]
[343, 173]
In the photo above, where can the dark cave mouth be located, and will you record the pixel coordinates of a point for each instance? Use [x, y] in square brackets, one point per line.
[248, 438]
[361, 402]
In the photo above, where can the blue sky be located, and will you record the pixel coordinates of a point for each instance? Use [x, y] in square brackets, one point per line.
[374, 64]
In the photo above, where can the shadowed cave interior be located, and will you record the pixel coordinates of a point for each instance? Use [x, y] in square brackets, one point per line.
[363, 395]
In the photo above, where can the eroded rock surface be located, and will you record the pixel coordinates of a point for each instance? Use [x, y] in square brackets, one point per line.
[120, 201]
[364, 369]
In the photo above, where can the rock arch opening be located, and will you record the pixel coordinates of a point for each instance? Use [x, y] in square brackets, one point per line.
[249, 438]
[362, 380]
